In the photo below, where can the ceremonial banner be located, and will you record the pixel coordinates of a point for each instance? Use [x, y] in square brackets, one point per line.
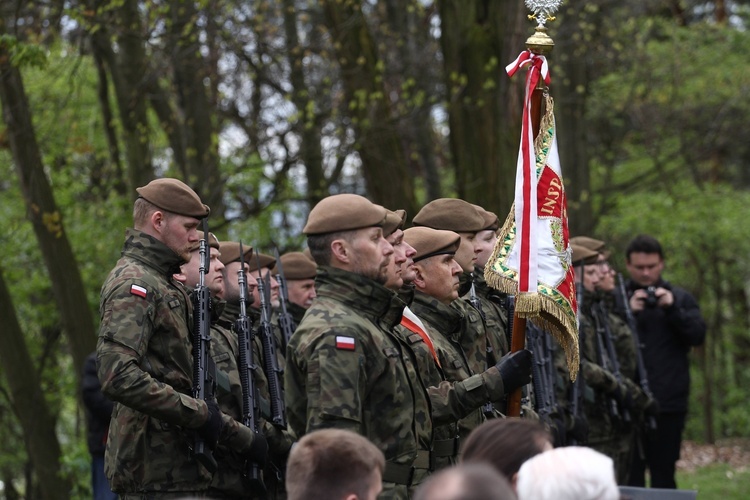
[532, 257]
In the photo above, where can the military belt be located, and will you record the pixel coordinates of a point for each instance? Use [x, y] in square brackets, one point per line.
[446, 447]
[404, 474]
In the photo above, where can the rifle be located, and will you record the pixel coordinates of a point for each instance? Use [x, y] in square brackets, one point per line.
[488, 408]
[204, 369]
[250, 399]
[271, 365]
[286, 322]
[578, 388]
[542, 371]
[606, 361]
[639, 364]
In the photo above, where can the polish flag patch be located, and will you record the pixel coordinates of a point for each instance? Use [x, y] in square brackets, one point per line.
[346, 343]
[138, 290]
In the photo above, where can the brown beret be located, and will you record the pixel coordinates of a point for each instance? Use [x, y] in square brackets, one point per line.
[429, 242]
[394, 220]
[450, 214]
[213, 242]
[581, 253]
[590, 243]
[174, 196]
[491, 222]
[343, 212]
[266, 261]
[230, 252]
[297, 267]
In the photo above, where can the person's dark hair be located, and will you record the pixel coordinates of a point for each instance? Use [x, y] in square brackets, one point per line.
[330, 464]
[643, 243]
[320, 245]
[466, 482]
[505, 444]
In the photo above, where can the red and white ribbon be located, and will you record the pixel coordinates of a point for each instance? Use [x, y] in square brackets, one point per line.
[526, 178]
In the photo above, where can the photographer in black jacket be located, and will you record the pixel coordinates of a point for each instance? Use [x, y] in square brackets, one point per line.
[669, 325]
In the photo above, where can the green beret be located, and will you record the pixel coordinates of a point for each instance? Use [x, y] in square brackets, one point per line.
[230, 252]
[297, 267]
[393, 220]
[174, 196]
[581, 253]
[491, 222]
[213, 242]
[450, 214]
[343, 212]
[429, 242]
[590, 243]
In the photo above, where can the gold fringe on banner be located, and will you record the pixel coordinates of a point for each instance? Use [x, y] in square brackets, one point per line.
[547, 308]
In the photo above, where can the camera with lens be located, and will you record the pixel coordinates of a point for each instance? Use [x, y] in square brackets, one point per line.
[650, 300]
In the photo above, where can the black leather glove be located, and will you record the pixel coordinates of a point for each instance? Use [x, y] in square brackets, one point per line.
[211, 429]
[559, 435]
[515, 370]
[652, 408]
[258, 451]
[580, 430]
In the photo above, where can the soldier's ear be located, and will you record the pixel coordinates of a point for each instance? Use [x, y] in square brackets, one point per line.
[418, 277]
[182, 278]
[340, 251]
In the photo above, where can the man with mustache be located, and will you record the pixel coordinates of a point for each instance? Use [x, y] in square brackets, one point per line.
[345, 367]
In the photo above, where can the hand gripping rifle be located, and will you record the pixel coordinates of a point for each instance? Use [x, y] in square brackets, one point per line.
[286, 322]
[250, 400]
[204, 369]
[639, 364]
[271, 362]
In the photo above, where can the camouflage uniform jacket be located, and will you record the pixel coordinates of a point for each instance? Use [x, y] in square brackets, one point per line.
[448, 326]
[145, 363]
[450, 400]
[495, 314]
[600, 383]
[346, 369]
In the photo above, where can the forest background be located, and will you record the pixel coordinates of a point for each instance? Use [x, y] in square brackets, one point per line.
[265, 107]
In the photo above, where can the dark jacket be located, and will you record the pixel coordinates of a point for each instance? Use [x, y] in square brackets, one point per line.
[98, 408]
[666, 336]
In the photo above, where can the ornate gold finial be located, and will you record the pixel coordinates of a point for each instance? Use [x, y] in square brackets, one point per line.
[542, 10]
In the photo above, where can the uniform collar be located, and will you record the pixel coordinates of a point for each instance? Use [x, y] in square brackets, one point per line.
[152, 252]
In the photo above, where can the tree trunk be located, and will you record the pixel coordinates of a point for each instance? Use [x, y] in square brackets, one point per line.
[380, 150]
[128, 69]
[199, 129]
[45, 217]
[478, 39]
[572, 82]
[307, 125]
[31, 408]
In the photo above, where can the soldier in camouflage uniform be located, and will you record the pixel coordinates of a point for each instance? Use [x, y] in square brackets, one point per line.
[345, 367]
[635, 404]
[480, 343]
[602, 387]
[280, 441]
[299, 272]
[436, 288]
[144, 356]
[225, 345]
[449, 401]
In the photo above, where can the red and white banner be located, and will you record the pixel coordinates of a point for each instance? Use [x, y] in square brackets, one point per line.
[532, 257]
